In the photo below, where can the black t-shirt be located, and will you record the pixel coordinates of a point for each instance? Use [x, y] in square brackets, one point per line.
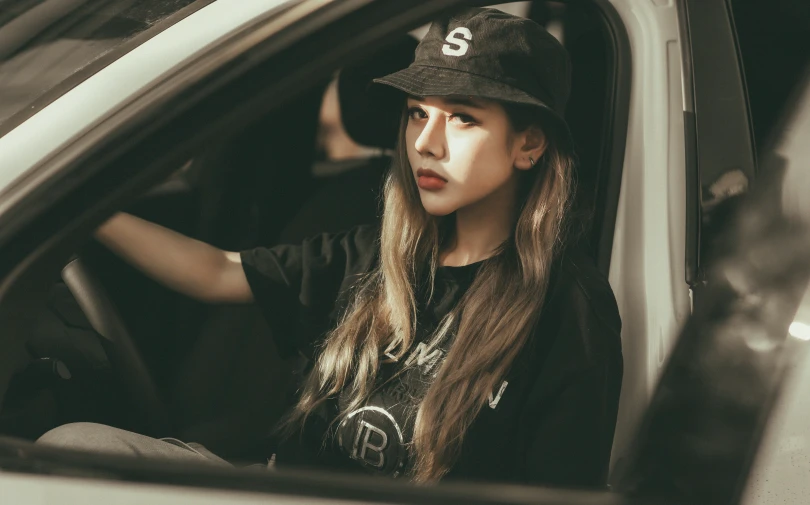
[551, 420]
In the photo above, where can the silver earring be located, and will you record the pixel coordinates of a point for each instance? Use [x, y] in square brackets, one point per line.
[531, 160]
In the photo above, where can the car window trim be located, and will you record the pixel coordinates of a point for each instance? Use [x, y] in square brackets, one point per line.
[96, 65]
[63, 124]
[617, 116]
[66, 215]
[708, 93]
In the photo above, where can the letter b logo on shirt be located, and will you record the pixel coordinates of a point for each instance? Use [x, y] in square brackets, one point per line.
[365, 432]
[457, 42]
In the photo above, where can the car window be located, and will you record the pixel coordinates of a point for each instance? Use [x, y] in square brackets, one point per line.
[49, 46]
[770, 39]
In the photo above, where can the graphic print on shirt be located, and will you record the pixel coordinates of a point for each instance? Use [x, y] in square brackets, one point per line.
[425, 358]
[494, 398]
[375, 435]
[371, 436]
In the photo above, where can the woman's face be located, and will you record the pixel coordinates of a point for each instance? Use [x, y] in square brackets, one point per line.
[469, 144]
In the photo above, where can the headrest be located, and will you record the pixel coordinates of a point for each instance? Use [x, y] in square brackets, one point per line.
[366, 120]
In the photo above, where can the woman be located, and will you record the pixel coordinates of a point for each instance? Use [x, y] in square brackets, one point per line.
[463, 338]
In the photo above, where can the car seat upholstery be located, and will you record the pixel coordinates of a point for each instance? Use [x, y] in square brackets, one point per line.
[585, 115]
[583, 37]
[253, 183]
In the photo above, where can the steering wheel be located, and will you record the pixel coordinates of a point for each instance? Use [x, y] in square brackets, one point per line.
[118, 344]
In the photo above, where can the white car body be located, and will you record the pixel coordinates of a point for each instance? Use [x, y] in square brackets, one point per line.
[34, 140]
[36, 490]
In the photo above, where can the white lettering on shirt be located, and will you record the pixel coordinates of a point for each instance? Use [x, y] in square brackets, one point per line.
[493, 400]
[364, 433]
[423, 358]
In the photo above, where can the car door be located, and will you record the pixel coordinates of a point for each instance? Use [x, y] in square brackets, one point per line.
[740, 366]
[720, 154]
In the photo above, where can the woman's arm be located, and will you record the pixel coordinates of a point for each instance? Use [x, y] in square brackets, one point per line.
[181, 263]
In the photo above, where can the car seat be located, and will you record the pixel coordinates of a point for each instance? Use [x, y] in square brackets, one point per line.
[584, 38]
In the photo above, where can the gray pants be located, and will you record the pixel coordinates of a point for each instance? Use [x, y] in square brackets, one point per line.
[99, 438]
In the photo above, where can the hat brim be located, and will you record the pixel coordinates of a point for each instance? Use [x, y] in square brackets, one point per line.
[423, 81]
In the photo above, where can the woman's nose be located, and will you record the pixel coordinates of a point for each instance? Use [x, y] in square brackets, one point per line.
[430, 141]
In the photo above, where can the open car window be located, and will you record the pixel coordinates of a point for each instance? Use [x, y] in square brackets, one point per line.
[50, 46]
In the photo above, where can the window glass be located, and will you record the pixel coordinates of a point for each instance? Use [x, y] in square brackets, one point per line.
[49, 46]
[771, 37]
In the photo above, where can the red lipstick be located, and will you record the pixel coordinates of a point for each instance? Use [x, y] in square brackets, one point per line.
[429, 180]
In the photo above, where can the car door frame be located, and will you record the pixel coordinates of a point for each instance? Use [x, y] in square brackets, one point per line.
[47, 215]
[721, 159]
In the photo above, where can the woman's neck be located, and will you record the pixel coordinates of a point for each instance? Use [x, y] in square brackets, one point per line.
[480, 229]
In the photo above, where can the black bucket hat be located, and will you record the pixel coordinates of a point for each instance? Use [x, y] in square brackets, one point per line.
[488, 53]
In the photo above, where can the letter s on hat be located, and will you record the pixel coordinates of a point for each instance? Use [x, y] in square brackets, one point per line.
[457, 41]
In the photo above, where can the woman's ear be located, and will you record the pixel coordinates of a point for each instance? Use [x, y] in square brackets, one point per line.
[531, 145]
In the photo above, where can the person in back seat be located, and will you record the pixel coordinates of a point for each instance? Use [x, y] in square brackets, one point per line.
[464, 337]
[356, 139]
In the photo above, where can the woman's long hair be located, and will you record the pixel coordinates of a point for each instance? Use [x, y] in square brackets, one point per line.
[499, 309]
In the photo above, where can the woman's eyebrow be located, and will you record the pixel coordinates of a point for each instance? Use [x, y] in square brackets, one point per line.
[454, 100]
[460, 100]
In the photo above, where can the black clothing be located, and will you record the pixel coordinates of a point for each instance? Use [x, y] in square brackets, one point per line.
[550, 422]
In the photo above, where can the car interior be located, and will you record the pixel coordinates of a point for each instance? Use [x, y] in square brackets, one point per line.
[113, 346]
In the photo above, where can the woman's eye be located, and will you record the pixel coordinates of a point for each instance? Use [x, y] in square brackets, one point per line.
[464, 118]
[416, 113]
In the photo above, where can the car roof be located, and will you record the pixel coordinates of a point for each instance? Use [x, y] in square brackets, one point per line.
[39, 136]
